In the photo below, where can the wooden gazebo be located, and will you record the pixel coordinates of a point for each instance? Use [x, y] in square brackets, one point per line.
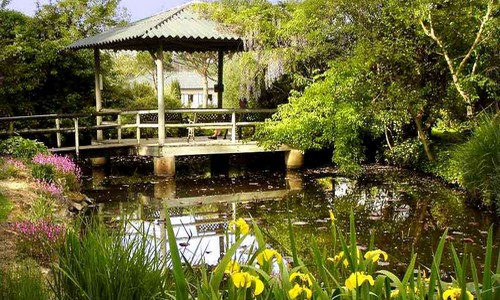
[179, 29]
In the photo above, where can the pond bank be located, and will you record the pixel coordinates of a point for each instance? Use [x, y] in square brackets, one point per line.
[22, 194]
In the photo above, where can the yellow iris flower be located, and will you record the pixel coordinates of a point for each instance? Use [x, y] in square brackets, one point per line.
[239, 224]
[332, 217]
[455, 294]
[303, 278]
[357, 279]
[375, 255]
[232, 267]
[245, 280]
[298, 290]
[343, 258]
[267, 255]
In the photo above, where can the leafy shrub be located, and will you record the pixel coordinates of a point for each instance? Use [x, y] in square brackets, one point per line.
[478, 161]
[39, 240]
[45, 173]
[21, 148]
[409, 154]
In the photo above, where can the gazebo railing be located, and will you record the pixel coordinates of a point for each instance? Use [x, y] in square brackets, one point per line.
[117, 120]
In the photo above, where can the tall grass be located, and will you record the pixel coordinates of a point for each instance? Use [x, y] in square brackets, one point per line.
[23, 283]
[478, 161]
[95, 263]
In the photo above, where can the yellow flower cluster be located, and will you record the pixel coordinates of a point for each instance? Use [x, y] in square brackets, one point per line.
[245, 280]
[357, 279]
[267, 256]
[456, 294]
[239, 225]
[302, 285]
[374, 256]
[232, 267]
[332, 217]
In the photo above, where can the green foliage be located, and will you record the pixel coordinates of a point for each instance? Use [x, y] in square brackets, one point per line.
[23, 283]
[7, 170]
[478, 161]
[330, 111]
[104, 265]
[5, 207]
[174, 89]
[44, 172]
[42, 209]
[36, 76]
[409, 154]
[21, 148]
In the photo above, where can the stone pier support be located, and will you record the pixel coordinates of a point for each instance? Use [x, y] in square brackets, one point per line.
[294, 180]
[164, 166]
[99, 161]
[294, 159]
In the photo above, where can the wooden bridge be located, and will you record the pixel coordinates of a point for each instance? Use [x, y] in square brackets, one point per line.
[133, 133]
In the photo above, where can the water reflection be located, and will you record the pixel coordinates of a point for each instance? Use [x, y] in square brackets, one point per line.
[403, 210]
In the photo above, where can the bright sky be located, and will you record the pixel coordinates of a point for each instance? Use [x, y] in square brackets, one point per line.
[138, 9]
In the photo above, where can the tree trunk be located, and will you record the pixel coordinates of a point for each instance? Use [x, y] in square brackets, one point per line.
[422, 136]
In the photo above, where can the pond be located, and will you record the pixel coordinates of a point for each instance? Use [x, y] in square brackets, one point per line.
[403, 210]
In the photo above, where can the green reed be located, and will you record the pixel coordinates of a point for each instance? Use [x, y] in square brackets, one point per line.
[97, 263]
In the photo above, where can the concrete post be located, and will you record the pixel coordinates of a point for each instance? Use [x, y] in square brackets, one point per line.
[294, 159]
[164, 166]
[161, 101]
[98, 93]
[99, 161]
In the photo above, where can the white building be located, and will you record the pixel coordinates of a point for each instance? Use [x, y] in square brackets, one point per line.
[191, 84]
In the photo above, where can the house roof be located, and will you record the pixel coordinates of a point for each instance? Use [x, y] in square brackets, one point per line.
[178, 29]
[189, 80]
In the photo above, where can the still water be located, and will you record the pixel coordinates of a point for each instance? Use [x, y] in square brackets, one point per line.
[404, 210]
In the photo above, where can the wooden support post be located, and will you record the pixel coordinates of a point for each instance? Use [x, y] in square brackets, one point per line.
[233, 129]
[98, 93]
[77, 138]
[119, 122]
[220, 75]
[138, 129]
[161, 100]
[11, 127]
[58, 134]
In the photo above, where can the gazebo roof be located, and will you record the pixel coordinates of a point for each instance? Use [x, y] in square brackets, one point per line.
[178, 29]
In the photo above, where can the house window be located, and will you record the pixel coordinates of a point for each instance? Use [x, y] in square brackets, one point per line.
[210, 98]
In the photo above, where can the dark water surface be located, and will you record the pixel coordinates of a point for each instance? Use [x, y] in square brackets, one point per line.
[402, 209]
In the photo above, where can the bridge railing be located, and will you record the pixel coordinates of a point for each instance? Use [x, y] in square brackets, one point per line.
[118, 120]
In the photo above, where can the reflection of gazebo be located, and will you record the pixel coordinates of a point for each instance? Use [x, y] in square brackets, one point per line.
[179, 29]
